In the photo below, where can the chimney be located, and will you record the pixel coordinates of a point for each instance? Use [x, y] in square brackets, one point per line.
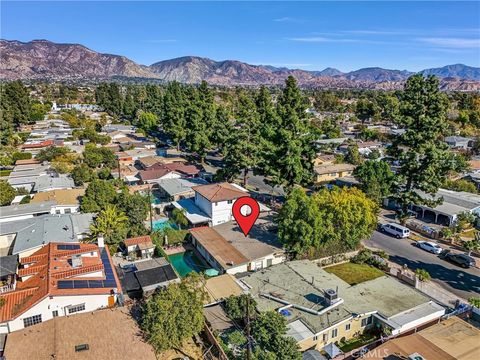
[100, 241]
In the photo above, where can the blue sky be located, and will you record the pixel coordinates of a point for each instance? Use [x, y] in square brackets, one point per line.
[308, 35]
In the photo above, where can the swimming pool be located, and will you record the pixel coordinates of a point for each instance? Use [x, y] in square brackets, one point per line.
[162, 224]
[186, 262]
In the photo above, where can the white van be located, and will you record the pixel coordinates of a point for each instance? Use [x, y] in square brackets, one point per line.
[396, 230]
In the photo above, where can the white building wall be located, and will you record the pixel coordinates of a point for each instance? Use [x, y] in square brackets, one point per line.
[203, 204]
[222, 212]
[59, 303]
[413, 324]
[64, 209]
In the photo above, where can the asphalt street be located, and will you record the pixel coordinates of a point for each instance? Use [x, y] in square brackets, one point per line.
[461, 282]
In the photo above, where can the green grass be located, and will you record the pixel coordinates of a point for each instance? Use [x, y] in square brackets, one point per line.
[5, 172]
[355, 343]
[354, 273]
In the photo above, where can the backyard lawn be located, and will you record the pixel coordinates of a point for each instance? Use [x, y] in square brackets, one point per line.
[354, 273]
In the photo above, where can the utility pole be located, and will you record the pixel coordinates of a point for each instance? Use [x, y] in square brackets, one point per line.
[249, 345]
[150, 208]
[119, 173]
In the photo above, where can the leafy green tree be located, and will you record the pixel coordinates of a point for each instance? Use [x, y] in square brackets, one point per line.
[173, 109]
[326, 101]
[197, 137]
[291, 159]
[111, 223]
[147, 121]
[330, 128]
[389, 106]
[179, 218]
[423, 275]
[136, 207]
[353, 156]
[365, 110]
[82, 174]
[471, 245]
[236, 306]
[98, 195]
[474, 302]
[342, 216]
[242, 148]
[424, 158]
[7, 193]
[38, 111]
[96, 157]
[51, 153]
[460, 185]
[222, 127]
[174, 314]
[377, 179]
[15, 101]
[269, 330]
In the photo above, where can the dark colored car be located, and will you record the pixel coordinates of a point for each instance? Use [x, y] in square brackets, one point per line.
[462, 260]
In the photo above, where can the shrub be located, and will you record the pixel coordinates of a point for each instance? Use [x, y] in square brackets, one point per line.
[423, 275]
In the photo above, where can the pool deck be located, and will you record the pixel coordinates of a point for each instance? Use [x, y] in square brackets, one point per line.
[175, 250]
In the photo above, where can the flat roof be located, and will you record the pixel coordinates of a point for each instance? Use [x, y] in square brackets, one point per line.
[40, 230]
[454, 202]
[222, 286]
[303, 282]
[60, 196]
[26, 209]
[179, 186]
[192, 212]
[60, 336]
[47, 182]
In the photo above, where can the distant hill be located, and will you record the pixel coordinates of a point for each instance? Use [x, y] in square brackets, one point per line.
[43, 59]
[459, 71]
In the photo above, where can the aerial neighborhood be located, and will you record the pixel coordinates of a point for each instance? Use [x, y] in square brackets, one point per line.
[202, 209]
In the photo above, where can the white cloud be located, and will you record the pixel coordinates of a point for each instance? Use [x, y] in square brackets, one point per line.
[456, 43]
[288, 19]
[322, 39]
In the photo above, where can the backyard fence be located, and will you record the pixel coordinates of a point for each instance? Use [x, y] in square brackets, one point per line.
[213, 340]
[335, 259]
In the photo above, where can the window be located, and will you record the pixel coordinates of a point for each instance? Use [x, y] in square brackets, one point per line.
[229, 201]
[366, 321]
[57, 211]
[55, 313]
[347, 327]
[68, 211]
[325, 337]
[76, 308]
[334, 333]
[32, 320]
[216, 203]
[315, 338]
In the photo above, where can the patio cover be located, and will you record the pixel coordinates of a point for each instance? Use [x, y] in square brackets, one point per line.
[332, 350]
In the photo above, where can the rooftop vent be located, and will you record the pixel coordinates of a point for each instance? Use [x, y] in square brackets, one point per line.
[81, 347]
[415, 356]
[330, 296]
[77, 261]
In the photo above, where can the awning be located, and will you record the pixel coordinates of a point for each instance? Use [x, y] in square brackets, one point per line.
[332, 350]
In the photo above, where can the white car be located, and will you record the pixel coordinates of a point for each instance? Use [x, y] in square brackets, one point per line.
[429, 246]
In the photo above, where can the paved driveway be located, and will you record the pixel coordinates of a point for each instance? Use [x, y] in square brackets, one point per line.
[462, 282]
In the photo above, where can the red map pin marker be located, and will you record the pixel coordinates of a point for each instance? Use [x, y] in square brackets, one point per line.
[247, 217]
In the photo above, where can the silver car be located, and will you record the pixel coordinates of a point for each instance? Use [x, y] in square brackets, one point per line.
[429, 246]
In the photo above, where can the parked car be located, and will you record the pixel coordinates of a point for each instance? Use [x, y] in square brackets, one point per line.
[396, 230]
[429, 246]
[462, 260]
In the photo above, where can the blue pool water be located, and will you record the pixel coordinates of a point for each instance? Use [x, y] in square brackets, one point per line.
[162, 224]
[186, 262]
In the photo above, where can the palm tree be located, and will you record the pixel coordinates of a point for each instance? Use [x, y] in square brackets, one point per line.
[179, 218]
[109, 222]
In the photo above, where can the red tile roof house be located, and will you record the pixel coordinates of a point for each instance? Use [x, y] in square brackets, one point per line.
[142, 246]
[60, 279]
[168, 171]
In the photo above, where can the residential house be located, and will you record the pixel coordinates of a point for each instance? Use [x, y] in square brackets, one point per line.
[321, 309]
[159, 172]
[127, 129]
[324, 159]
[60, 279]
[459, 142]
[101, 334]
[24, 237]
[453, 204]
[331, 172]
[25, 211]
[228, 250]
[36, 146]
[450, 339]
[67, 201]
[176, 189]
[140, 246]
[144, 276]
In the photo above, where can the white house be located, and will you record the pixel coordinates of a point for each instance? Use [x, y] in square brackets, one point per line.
[216, 200]
[59, 280]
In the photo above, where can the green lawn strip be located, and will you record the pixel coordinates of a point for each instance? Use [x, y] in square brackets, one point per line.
[354, 273]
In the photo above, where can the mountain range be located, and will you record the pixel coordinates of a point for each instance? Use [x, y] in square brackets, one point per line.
[43, 59]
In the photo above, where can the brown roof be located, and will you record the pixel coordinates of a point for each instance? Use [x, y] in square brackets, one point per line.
[47, 266]
[221, 287]
[109, 334]
[474, 164]
[219, 248]
[61, 197]
[219, 192]
[159, 170]
[148, 161]
[27, 162]
[334, 168]
[137, 240]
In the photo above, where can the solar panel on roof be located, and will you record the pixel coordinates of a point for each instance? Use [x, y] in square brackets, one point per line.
[80, 284]
[68, 247]
[65, 284]
[95, 284]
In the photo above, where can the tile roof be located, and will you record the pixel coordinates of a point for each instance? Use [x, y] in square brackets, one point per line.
[60, 196]
[137, 240]
[159, 170]
[219, 192]
[49, 266]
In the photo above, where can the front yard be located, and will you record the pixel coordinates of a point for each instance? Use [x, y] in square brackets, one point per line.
[354, 273]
